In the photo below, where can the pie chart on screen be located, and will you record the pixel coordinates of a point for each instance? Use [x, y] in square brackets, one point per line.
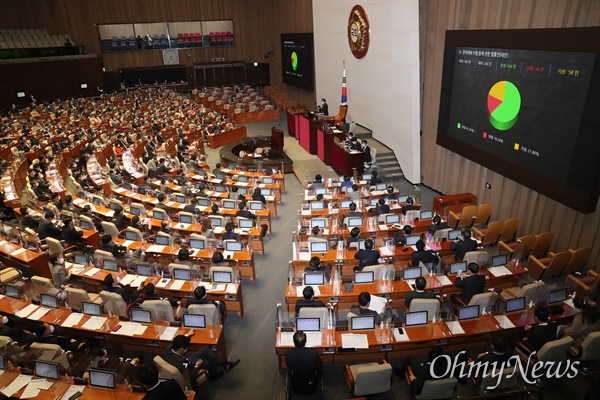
[503, 104]
[294, 60]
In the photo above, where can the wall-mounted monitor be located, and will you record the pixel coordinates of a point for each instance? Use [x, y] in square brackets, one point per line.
[297, 59]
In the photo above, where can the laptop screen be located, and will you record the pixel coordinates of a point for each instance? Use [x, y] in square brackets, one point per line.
[1, 361]
[364, 277]
[144, 270]
[186, 219]
[345, 204]
[454, 234]
[402, 199]
[468, 312]
[381, 186]
[102, 379]
[97, 201]
[362, 323]
[197, 244]
[458, 266]
[221, 277]
[242, 190]
[308, 324]
[158, 214]
[516, 304]
[83, 224]
[162, 240]
[46, 370]
[141, 316]
[374, 202]
[81, 259]
[412, 240]
[109, 264]
[203, 202]
[194, 320]
[92, 309]
[415, 318]
[130, 235]
[366, 177]
[220, 189]
[134, 211]
[411, 273]
[318, 247]
[12, 291]
[426, 214]
[352, 222]
[246, 223]
[392, 219]
[179, 198]
[317, 279]
[219, 175]
[265, 191]
[242, 178]
[234, 246]
[317, 205]
[49, 300]
[256, 205]
[113, 204]
[267, 180]
[320, 222]
[322, 191]
[229, 204]
[557, 295]
[182, 274]
[499, 260]
[216, 221]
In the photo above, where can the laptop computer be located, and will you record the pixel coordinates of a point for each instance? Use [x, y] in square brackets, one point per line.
[182, 274]
[514, 305]
[415, 318]
[102, 379]
[458, 266]
[194, 320]
[314, 279]
[364, 277]
[308, 324]
[222, 277]
[92, 309]
[500, 260]
[141, 316]
[362, 323]
[468, 312]
[44, 369]
[318, 247]
[49, 300]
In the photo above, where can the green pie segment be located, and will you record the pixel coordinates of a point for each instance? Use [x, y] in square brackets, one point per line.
[294, 60]
[504, 104]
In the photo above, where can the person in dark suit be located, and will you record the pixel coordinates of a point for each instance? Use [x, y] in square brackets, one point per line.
[354, 234]
[308, 293]
[68, 232]
[499, 352]
[149, 291]
[344, 126]
[244, 212]
[352, 213]
[230, 234]
[305, 364]
[110, 285]
[204, 358]
[147, 377]
[47, 229]
[324, 107]
[409, 206]
[374, 179]
[368, 256]
[381, 208]
[461, 247]
[437, 225]
[422, 255]
[364, 300]
[538, 335]
[355, 144]
[258, 196]
[367, 150]
[316, 266]
[400, 236]
[471, 284]
[107, 244]
[161, 199]
[419, 293]
[120, 220]
[317, 182]
[27, 220]
[191, 207]
[45, 334]
[422, 373]
[200, 298]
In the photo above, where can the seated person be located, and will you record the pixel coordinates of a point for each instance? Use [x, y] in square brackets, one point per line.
[381, 208]
[374, 179]
[422, 255]
[230, 234]
[499, 352]
[392, 195]
[150, 294]
[233, 194]
[107, 244]
[316, 266]
[354, 234]
[44, 333]
[306, 365]
[584, 323]
[400, 236]
[46, 228]
[368, 256]
[543, 332]
[147, 377]
[364, 300]
[308, 293]
[419, 292]
[110, 285]
[120, 220]
[471, 284]
[418, 373]
[69, 206]
[409, 206]
[258, 196]
[60, 275]
[317, 182]
[204, 358]
[28, 220]
[437, 225]
[354, 194]
[244, 212]
[218, 260]
[214, 210]
[347, 182]
[69, 233]
[161, 199]
[353, 213]
[462, 247]
[200, 298]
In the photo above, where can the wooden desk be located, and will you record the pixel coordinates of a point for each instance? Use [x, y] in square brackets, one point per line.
[13, 255]
[344, 162]
[257, 116]
[223, 138]
[442, 205]
[383, 345]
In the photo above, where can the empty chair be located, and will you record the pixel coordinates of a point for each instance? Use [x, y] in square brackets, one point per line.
[368, 378]
[554, 351]
[43, 285]
[542, 244]
[509, 232]
[9, 274]
[588, 349]
[110, 229]
[113, 303]
[518, 250]
[484, 212]
[438, 389]
[491, 383]
[214, 269]
[531, 291]
[88, 221]
[172, 266]
[585, 286]
[491, 234]
[441, 234]
[100, 255]
[210, 312]
[578, 260]
[56, 247]
[552, 267]
[76, 297]
[478, 256]
[168, 371]
[464, 219]
[432, 306]
[314, 312]
[486, 301]
[161, 310]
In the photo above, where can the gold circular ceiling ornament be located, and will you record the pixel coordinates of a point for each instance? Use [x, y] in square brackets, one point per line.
[358, 31]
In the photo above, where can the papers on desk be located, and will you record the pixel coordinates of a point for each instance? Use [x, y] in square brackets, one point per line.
[72, 390]
[383, 227]
[304, 256]
[197, 177]
[91, 271]
[95, 323]
[155, 249]
[118, 190]
[17, 384]
[379, 193]
[401, 337]
[305, 212]
[231, 288]
[169, 203]
[286, 339]
[384, 251]
[314, 339]
[377, 304]
[72, 320]
[227, 254]
[177, 284]
[299, 290]
[355, 341]
[218, 230]
[138, 281]
[504, 322]
[17, 252]
[76, 269]
[443, 280]
[127, 279]
[169, 333]
[217, 287]
[34, 387]
[81, 202]
[411, 283]
[569, 302]
[455, 328]
[39, 313]
[162, 283]
[130, 329]
[499, 271]
[23, 313]
[3, 242]
[127, 243]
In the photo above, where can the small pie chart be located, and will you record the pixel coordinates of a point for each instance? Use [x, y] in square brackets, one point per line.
[503, 104]
[294, 60]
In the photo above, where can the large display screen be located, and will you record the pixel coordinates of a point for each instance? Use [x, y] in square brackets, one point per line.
[529, 114]
[297, 59]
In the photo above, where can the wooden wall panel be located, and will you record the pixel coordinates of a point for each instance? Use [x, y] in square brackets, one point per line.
[451, 173]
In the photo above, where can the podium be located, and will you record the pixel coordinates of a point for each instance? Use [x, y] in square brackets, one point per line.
[276, 139]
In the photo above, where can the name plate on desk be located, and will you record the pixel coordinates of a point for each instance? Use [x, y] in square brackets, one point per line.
[334, 299]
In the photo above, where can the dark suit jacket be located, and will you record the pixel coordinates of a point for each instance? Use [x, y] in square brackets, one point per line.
[367, 257]
[221, 306]
[29, 222]
[190, 208]
[168, 389]
[304, 359]
[433, 228]
[539, 335]
[48, 229]
[462, 247]
[125, 294]
[367, 151]
[245, 214]
[121, 221]
[70, 235]
[231, 235]
[408, 208]
[410, 296]
[308, 303]
[424, 256]
[471, 285]
[259, 197]
[384, 209]
[324, 109]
